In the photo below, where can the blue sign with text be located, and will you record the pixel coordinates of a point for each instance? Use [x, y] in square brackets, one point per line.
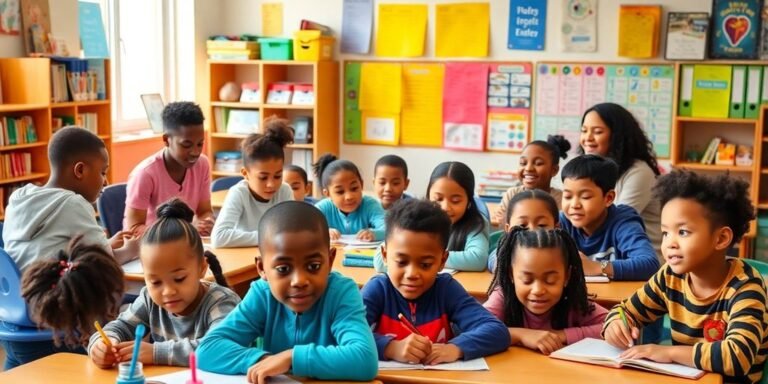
[527, 24]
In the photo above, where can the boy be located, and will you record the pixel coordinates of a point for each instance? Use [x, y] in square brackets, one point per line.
[179, 170]
[296, 177]
[717, 305]
[415, 252]
[312, 320]
[610, 237]
[390, 180]
[39, 221]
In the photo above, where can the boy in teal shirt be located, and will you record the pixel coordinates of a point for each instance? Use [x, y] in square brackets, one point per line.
[312, 320]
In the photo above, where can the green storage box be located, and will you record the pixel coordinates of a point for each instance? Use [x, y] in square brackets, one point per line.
[276, 48]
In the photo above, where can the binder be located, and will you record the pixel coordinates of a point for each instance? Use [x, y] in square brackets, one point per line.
[765, 85]
[754, 83]
[711, 90]
[738, 91]
[686, 91]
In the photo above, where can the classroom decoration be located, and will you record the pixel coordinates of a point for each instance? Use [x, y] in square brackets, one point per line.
[92, 36]
[462, 30]
[527, 24]
[735, 29]
[356, 25]
[579, 29]
[422, 113]
[10, 20]
[402, 29]
[381, 102]
[352, 126]
[465, 105]
[565, 90]
[35, 17]
[272, 19]
[509, 106]
[687, 34]
[639, 31]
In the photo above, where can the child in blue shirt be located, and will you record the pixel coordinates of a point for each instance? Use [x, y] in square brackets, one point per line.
[346, 209]
[312, 320]
[610, 237]
[452, 324]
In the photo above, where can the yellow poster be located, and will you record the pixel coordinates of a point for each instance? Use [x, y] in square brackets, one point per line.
[462, 30]
[272, 19]
[639, 27]
[422, 116]
[711, 94]
[402, 29]
[381, 87]
[381, 127]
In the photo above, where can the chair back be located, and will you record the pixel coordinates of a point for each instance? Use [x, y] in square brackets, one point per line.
[111, 206]
[493, 240]
[13, 309]
[223, 183]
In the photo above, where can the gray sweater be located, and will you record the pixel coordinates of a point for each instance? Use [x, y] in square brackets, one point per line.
[174, 336]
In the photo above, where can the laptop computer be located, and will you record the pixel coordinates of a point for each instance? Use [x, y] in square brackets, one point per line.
[153, 105]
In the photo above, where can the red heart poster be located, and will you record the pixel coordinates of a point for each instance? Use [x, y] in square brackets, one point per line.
[735, 29]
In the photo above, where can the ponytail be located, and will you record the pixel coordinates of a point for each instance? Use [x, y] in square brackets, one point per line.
[215, 267]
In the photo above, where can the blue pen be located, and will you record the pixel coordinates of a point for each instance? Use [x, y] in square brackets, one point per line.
[140, 329]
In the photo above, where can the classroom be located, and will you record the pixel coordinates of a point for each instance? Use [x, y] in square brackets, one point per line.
[381, 191]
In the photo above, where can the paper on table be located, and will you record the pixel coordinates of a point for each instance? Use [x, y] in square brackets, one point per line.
[133, 267]
[478, 364]
[181, 377]
[401, 30]
[462, 30]
[422, 115]
[350, 242]
[597, 279]
[356, 25]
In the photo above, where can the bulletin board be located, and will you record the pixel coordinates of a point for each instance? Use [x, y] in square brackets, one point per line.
[563, 91]
[473, 106]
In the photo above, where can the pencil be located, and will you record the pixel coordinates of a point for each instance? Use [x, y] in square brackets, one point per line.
[103, 335]
[407, 324]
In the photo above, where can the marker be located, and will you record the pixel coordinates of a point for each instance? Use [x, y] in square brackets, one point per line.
[407, 324]
[193, 369]
[624, 319]
[136, 346]
[102, 334]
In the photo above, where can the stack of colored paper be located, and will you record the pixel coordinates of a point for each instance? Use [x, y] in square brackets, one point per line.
[358, 257]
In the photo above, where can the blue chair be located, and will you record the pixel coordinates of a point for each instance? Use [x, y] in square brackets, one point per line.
[111, 206]
[223, 183]
[15, 324]
[482, 208]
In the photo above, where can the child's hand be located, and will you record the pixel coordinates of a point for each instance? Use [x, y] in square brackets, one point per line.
[591, 267]
[270, 366]
[335, 234]
[146, 352]
[657, 353]
[413, 349]
[618, 335]
[443, 353]
[204, 226]
[103, 356]
[366, 235]
[118, 240]
[545, 342]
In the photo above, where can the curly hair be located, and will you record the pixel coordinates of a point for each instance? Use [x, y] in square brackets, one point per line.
[726, 198]
[419, 216]
[628, 141]
[575, 292]
[181, 113]
[70, 290]
[269, 145]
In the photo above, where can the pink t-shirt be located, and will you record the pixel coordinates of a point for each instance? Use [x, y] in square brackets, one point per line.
[150, 185]
[579, 326]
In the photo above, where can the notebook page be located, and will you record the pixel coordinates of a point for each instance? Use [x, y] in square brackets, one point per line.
[667, 368]
[597, 279]
[478, 364]
[181, 377]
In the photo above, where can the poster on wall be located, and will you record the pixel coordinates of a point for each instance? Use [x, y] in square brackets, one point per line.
[764, 33]
[356, 26]
[527, 24]
[465, 107]
[36, 21]
[687, 35]
[735, 29]
[509, 106]
[9, 17]
[579, 29]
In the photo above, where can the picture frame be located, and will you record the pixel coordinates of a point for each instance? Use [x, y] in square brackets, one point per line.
[735, 29]
[302, 130]
[687, 35]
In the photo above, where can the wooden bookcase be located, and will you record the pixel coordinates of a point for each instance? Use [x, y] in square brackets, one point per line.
[696, 132]
[26, 90]
[323, 75]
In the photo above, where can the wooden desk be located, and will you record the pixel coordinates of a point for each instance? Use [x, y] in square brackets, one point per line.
[520, 365]
[70, 368]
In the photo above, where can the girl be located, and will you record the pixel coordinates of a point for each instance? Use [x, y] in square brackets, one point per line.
[539, 291]
[66, 293]
[530, 209]
[175, 305]
[609, 130]
[539, 163]
[263, 187]
[347, 210]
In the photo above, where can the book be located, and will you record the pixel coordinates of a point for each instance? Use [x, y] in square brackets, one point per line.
[709, 154]
[744, 155]
[350, 242]
[599, 352]
[726, 154]
[243, 121]
[478, 364]
[354, 262]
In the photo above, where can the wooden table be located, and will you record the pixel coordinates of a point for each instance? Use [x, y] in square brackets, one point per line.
[70, 368]
[520, 365]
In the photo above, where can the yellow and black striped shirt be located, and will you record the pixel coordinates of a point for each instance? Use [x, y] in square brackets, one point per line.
[739, 305]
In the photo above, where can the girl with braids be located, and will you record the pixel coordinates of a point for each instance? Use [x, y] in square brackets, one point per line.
[175, 305]
[57, 289]
[261, 189]
[539, 291]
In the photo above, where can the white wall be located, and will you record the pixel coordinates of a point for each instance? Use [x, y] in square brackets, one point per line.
[244, 16]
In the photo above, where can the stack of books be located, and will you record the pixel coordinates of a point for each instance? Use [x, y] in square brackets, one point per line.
[75, 79]
[495, 183]
[89, 121]
[17, 130]
[59, 122]
[232, 49]
[15, 164]
[358, 257]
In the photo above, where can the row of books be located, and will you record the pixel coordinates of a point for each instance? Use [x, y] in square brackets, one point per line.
[494, 183]
[17, 130]
[15, 164]
[232, 49]
[77, 80]
[720, 152]
[87, 120]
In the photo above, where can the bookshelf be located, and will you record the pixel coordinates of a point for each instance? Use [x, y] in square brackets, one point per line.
[323, 75]
[26, 91]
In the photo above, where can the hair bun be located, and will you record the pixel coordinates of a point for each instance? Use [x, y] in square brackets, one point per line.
[278, 130]
[175, 209]
[323, 162]
[561, 143]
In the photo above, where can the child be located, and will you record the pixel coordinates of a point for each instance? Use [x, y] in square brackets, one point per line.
[296, 178]
[610, 237]
[263, 187]
[717, 305]
[390, 180]
[346, 209]
[175, 305]
[450, 186]
[312, 320]
[179, 170]
[530, 209]
[66, 293]
[539, 291]
[39, 221]
[435, 303]
[539, 163]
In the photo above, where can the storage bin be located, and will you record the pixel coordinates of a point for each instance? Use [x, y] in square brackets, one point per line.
[312, 46]
[276, 48]
[228, 161]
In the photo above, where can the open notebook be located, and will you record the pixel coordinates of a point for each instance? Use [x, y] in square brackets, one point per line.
[478, 364]
[181, 377]
[599, 352]
[350, 242]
